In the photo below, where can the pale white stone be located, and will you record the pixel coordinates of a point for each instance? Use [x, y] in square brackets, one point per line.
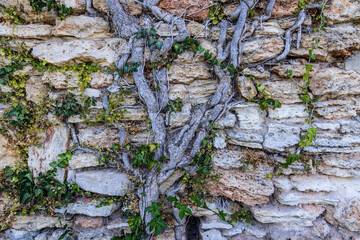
[90, 209]
[83, 160]
[288, 111]
[212, 234]
[106, 181]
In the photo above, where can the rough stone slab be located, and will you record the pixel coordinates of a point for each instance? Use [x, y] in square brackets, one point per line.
[353, 62]
[8, 156]
[79, 6]
[227, 159]
[342, 11]
[264, 48]
[201, 90]
[281, 136]
[81, 27]
[76, 51]
[210, 224]
[89, 209]
[36, 31]
[286, 215]
[213, 234]
[83, 160]
[249, 186]
[55, 142]
[335, 82]
[250, 116]
[98, 136]
[294, 198]
[288, 111]
[348, 214]
[187, 73]
[107, 181]
[191, 7]
[36, 223]
[313, 183]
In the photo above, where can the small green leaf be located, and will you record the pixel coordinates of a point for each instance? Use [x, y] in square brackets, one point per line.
[159, 44]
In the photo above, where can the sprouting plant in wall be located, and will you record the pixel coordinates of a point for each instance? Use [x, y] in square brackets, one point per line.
[216, 14]
[62, 10]
[174, 106]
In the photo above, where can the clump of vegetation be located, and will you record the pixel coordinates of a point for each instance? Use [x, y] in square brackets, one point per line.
[30, 194]
[61, 9]
[174, 106]
[216, 14]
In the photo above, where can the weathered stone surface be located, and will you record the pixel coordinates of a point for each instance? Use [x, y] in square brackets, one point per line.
[88, 222]
[167, 235]
[342, 11]
[269, 28]
[213, 234]
[81, 27]
[280, 135]
[253, 230]
[24, 10]
[188, 73]
[8, 156]
[342, 39]
[275, 213]
[296, 70]
[313, 183]
[83, 160]
[341, 165]
[250, 116]
[227, 159]
[35, 89]
[284, 8]
[348, 214]
[353, 62]
[262, 49]
[55, 142]
[191, 7]
[336, 109]
[210, 224]
[178, 119]
[14, 234]
[105, 181]
[89, 209]
[178, 91]
[118, 223]
[250, 186]
[36, 31]
[247, 138]
[306, 43]
[100, 5]
[70, 79]
[335, 82]
[171, 180]
[220, 140]
[98, 136]
[227, 121]
[201, 90]
[246, 87]
[166, 30]
[294, 198]
[197, 29]
[263, 75]
[131, 7]
[285, 91]
[100, 79]
[76, 51]
[35, 223]
[79, 6]
[288, 111]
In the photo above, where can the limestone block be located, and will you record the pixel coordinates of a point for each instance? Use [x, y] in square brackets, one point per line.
[342, 11]
[35, 222]
[104, 181]
[89, 209]
[35, 31]
[8, 156]
[192, 8]
[262, 49]
[83, 160]
[81, 27]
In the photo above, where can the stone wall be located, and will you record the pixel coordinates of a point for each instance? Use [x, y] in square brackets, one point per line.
[306, 201]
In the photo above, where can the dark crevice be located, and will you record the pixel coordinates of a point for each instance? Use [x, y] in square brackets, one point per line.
[192, 229]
